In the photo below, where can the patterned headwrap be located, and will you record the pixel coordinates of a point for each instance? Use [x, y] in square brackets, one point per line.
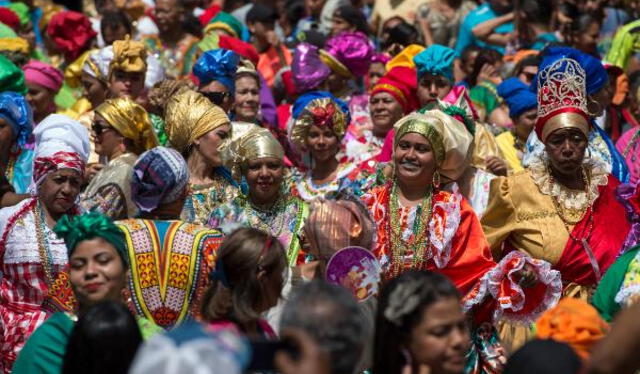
[562, 98]
[43, 74]
[307, 69]
[129, 56]
[574, 322]
[130, 120]
[401, 83]
[92, 225]
[252, 145]
[217, 65]
[436, 60]
[97, 63]
[60, 143]
[348, 54]
[321, 109]
[160, 176]
[10, 18]
[517, 95]
[15, 45]
[449, 139]
[21, 10]
[188, 116]
[16, 111]
[71, 32]
[11, 77]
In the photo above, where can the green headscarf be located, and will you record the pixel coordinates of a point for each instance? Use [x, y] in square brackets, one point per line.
[227, 22]
[90, 226]
[22, 11]
[11, 77]
[6, 31]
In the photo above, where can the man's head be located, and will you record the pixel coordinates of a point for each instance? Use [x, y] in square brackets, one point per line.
[331, 315]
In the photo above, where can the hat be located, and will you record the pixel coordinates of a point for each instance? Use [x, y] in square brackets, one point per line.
[518, 96]
[217, 65]
[308, 71]
[436, 60]
[401, 83]
[43, 74]
[10, 18]
[11, 77]
[71, 32]
[348, 54]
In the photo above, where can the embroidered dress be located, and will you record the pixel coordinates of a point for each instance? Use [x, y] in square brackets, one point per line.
[109, 192]
[284, 220]
[170, 266]
[204, 198]
[349, 179]
[362, 149]
[178, 61]
[31, 256]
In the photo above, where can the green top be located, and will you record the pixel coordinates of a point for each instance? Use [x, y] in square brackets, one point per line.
[610, 285]
[44, 351]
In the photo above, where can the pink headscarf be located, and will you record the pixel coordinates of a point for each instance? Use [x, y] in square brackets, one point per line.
[43, 74]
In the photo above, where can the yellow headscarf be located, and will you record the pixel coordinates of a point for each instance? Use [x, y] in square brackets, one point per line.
[188, 116]
[449, 139]
[405, 57]
[14, 45]
[73, 72]
[129, 56]
[130, 120]
[255, 144]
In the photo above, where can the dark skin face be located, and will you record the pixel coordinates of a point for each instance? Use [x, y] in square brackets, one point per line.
[415, 162]
[264, 177]
[94, 90]
[340, 24]
[431, 88]
[40, 99]
[385, 112]
[6, 138]
[169, 15]
[566, 148]
[587, 41]
[59, 190]
[524, 124]
[376, 71]
[110, 35]
[322, 143]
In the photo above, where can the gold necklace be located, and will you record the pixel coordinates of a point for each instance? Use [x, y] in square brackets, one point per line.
[43, 244]
[573, 213]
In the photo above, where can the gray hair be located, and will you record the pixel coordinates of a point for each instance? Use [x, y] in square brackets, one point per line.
[333, 317]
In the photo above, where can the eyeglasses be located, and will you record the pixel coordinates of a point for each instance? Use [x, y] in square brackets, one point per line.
[216, 98]
[99, 129]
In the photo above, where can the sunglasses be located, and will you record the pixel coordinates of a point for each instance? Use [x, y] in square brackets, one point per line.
[216, 98]
[99, 129]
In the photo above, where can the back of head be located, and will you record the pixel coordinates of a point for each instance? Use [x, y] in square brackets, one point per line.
[261, 13]
[332, 316]
[543, 357]
[401, 306]
[104, 340]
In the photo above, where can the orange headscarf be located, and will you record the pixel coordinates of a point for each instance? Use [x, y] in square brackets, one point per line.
[574, 322]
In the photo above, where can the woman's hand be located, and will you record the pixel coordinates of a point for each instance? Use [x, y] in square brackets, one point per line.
[496, 165]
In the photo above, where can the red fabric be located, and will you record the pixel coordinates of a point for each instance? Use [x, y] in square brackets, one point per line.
[283, 112]
[71, 32]
[9, 18]
[610, 229]
[289, 84]
[387, 148]
[405, 81]
[59, 160]
[208, 14]
[244, 49]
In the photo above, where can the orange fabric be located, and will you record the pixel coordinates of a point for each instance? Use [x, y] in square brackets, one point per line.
[269, 63]
[574, 322]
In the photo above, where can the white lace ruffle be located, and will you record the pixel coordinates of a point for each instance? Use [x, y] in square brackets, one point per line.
[570, 199]
[443, 225]
[625, 294]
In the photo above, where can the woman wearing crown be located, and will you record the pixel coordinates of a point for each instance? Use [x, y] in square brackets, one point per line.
[562, 209]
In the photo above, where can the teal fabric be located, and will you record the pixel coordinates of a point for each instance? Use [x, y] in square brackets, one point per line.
[436, 60]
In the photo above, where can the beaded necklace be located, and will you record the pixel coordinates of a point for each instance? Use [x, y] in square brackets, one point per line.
[210, 200]
[44, 249]
[420, 241]
[271, 221]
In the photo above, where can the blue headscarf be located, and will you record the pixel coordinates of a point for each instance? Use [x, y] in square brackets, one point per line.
[16, 111]
[597, 75]
[517, 96]
[437, 60]
[217, 65]
[305, 99]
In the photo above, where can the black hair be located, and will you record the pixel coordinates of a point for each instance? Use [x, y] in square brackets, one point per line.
[261, 13]
[392, 336]
[403, 34]
[543, 357]
[485, 56]
[533, 60]
[468, 51]
[103, 341]
[111, 19]
[354, 17]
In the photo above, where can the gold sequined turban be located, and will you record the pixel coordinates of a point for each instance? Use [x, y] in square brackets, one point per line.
[254, 144]
[130, 120]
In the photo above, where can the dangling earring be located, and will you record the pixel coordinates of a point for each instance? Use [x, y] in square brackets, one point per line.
[436, 179]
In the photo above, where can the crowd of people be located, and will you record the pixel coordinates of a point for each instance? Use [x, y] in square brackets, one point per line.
[320, 186]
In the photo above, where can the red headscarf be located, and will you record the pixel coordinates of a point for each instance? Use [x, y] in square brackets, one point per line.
[71, 32]
[244, 49]
[9, 18]
[401, 83]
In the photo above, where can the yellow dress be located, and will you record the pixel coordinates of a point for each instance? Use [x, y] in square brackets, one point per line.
[484, 146]
[506, 143]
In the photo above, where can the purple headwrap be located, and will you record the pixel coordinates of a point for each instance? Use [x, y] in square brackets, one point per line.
[353, 50]
[382, 58]
[307, 69]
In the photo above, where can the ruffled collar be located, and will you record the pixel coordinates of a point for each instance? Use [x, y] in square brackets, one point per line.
[568, 198]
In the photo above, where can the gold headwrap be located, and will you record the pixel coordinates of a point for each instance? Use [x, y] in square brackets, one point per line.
[130, 120]
[323, 109]
[405, 57]
[335, 65]
[129, 56]
[188, 116]
[73, 72]
[255, 144]
[565, 120]
[18, 45]
[449, 139]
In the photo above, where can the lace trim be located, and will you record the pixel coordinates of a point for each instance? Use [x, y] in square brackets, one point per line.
[624, 296]
[442, 227]
[570, 199]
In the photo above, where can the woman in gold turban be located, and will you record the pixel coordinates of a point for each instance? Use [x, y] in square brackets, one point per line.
[122, 131]
[258, 157]
[196, 128]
